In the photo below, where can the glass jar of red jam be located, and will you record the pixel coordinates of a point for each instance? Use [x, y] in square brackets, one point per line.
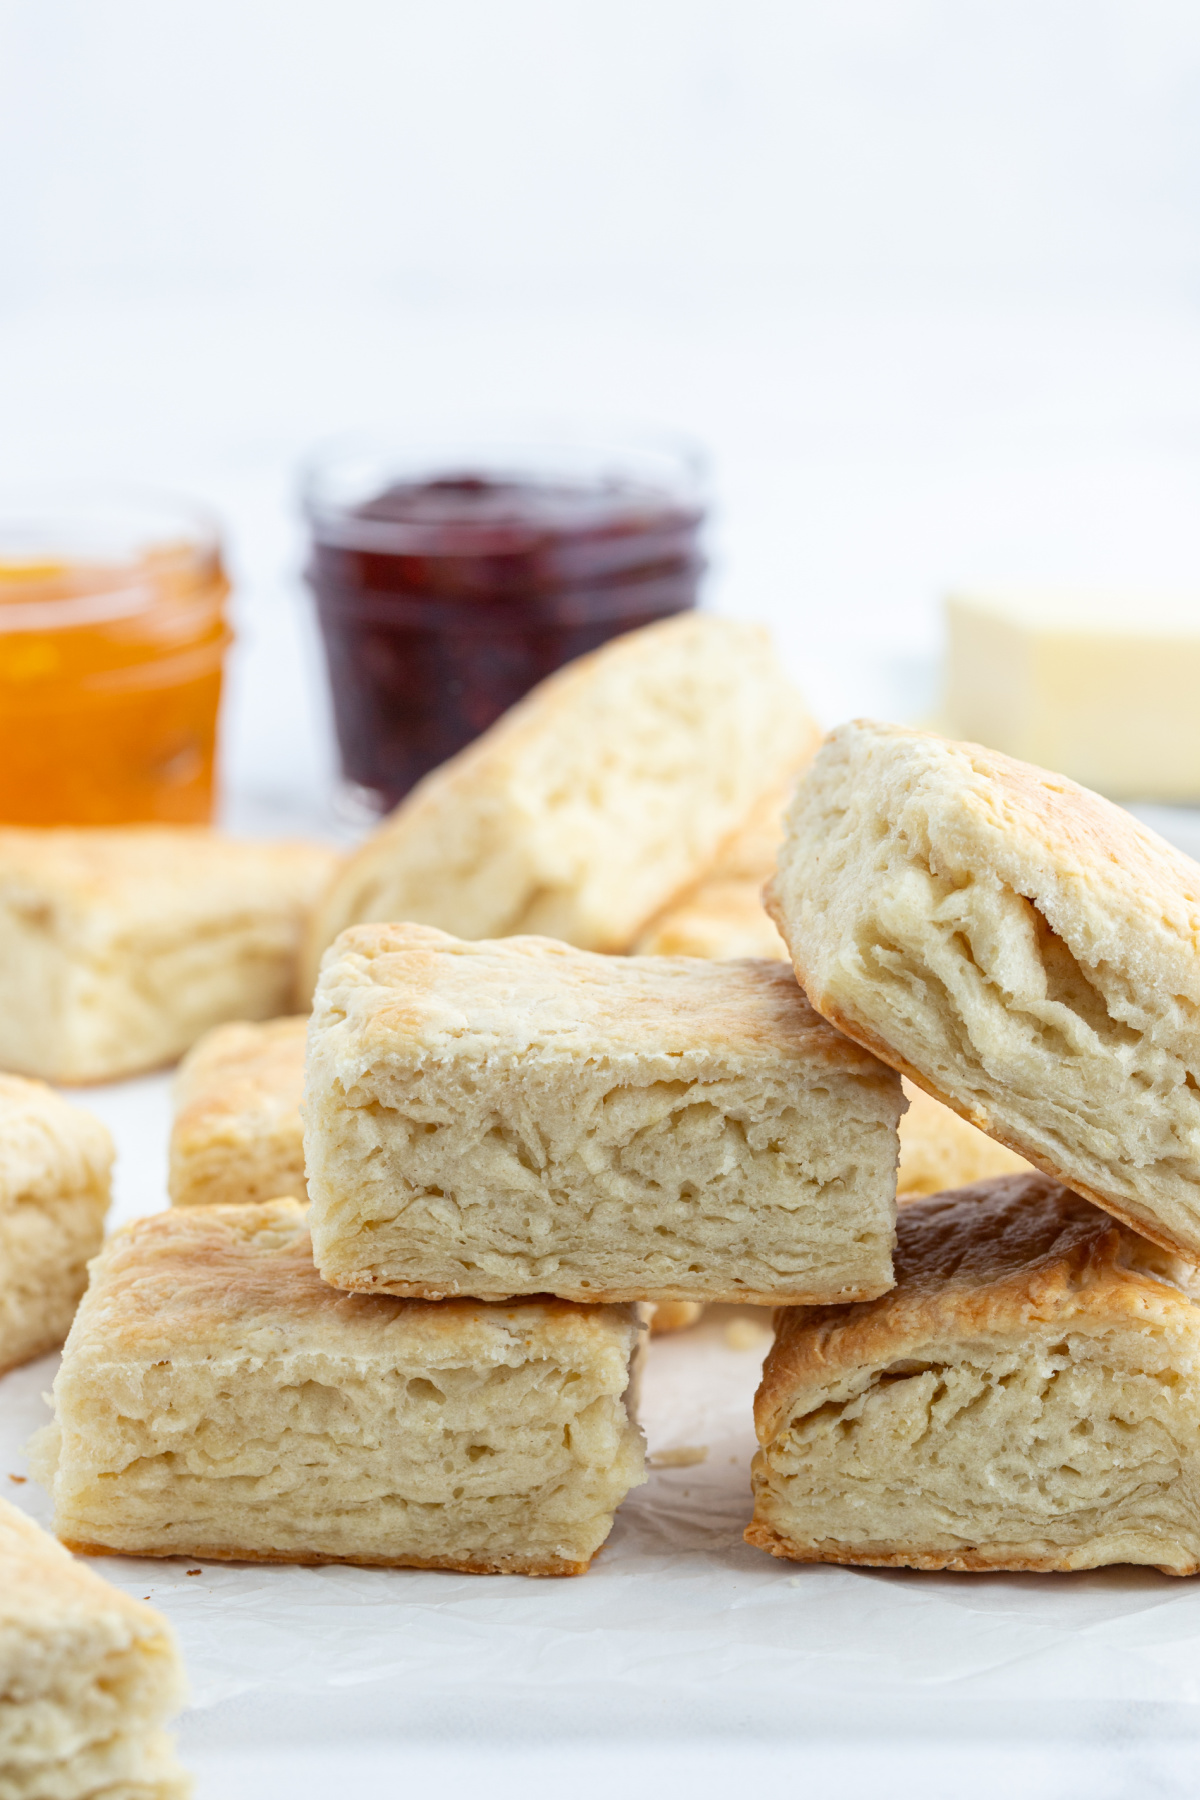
[452, 577]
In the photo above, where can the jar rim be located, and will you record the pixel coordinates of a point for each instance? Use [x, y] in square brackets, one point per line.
[60, 543]
[608, 463]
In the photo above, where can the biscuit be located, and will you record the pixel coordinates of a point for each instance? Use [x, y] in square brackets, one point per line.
[521, 1117]
[1021, 948]
[938, 1150]
[55, 1167]
[674, 1315]
[88, 1680]
[719, 920]
[216, 1399]
[119, 948]
[722, 915]
[582, 811]
[237, 1134]
[1027, 1397]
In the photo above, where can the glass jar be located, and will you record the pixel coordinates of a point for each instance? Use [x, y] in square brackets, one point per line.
[452, 575]
[112, 637]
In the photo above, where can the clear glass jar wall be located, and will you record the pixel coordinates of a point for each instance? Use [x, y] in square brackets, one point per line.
[453, 574]
[112, 639]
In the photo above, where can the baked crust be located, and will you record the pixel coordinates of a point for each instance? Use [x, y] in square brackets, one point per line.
[903, 1419]
[517, 1117]
[1018, 947]
[508, 1565]
[607, 790]
[604, 1296]
[1002, 1559]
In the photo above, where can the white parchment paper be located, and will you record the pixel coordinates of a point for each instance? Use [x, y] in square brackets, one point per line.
[679, 1627]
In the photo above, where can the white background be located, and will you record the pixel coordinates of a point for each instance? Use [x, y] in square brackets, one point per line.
[922, 274]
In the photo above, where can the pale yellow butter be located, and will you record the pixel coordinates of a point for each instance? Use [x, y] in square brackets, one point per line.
[1102, 687]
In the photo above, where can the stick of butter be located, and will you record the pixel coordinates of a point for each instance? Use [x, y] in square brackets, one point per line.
[1102, 687]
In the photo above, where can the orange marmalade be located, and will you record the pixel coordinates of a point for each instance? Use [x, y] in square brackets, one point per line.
[112, 635]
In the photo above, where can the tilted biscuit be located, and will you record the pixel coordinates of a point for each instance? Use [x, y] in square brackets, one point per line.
[55, 1167]
[589, 804]
[1027, 1397]
[120, 947]
[520, 1117]
[1022, 949]
[938, 1150]
[237, 1133]
[88, 1680]
[217, 1399]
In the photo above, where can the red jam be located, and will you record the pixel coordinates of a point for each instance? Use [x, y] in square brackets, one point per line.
[442, 601]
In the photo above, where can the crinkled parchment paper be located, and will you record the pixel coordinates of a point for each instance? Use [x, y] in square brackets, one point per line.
[679, 1625]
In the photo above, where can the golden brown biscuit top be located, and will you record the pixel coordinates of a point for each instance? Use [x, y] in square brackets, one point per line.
[516, 815]
[242, 1069]
[1097, 873]
[241, 1280]
[138, 868]
[1015, 1253]
[411, 988]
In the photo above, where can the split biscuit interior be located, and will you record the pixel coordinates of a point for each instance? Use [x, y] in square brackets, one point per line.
[217, 1399]
[520, 1117]
[586, 807]
[238, 1135]
[88, 1679]
[1021, 948]
[1027, 1397]
[55, 1184]
[120, 947]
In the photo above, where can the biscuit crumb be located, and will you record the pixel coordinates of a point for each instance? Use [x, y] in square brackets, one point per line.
[747, 1334]
[193, 1571]
[19, 1479]
[684, 1457]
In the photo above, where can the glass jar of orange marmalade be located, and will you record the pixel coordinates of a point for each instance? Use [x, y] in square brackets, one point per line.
[112, 637]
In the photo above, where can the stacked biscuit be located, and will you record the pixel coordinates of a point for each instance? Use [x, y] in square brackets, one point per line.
[511, 1142]
[1028, 1394]
[118, 948]
[405, 1332]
